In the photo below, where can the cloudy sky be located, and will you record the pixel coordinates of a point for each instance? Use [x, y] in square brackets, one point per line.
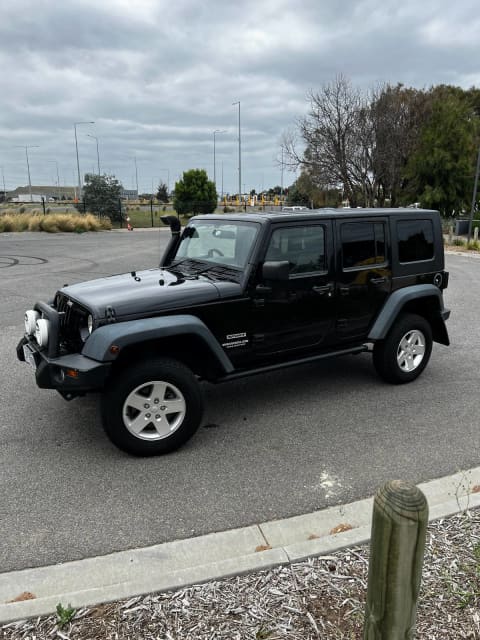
[158, 77]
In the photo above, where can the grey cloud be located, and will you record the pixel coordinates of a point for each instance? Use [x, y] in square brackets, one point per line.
[158, 78]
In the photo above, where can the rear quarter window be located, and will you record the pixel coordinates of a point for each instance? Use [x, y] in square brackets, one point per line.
[415, 240]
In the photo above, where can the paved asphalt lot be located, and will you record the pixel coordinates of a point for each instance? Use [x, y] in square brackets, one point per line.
[270, 447]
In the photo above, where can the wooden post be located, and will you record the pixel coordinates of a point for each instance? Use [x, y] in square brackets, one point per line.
[400, 518]
[475, 234]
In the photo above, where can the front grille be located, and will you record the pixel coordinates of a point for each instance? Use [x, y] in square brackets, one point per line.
[73, 320]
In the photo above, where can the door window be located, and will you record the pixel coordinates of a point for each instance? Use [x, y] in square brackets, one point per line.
[415, 240]
[303, 247]
[363, 244]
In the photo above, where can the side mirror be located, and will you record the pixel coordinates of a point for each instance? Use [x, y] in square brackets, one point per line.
[277, 271]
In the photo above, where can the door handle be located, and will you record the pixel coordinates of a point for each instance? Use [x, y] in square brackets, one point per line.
[322, 290]
[377, 280]
[344, 291]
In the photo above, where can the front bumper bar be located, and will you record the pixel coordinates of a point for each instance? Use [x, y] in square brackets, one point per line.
[71, 375]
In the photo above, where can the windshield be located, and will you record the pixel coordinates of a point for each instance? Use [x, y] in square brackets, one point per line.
[226, 243]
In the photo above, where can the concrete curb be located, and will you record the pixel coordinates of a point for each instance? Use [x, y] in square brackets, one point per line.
[217, 555]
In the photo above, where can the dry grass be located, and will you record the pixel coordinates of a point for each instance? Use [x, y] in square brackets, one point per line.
[52, 223]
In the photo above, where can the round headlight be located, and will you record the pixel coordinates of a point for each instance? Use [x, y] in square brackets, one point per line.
[31, 318]
[90, 324]
[41, 332]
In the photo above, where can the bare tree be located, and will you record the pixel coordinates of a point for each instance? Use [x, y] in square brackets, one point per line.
[337, 141]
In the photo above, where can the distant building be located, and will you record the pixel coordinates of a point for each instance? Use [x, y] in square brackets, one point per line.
[35, 197]
[129, 194]
[22, 194]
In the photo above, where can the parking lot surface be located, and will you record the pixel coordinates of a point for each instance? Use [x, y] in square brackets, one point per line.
[271, 446]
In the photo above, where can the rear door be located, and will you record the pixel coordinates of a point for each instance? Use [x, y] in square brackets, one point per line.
[364, 276]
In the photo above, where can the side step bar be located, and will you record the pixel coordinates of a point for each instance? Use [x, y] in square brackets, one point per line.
[292, 363]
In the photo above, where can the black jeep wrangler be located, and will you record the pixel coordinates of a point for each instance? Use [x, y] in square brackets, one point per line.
[237, 295]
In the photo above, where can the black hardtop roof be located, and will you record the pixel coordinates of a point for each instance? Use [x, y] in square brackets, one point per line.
[264, 217]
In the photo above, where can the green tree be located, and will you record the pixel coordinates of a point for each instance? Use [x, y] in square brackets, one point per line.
[195, 193]
[296, 195]
[162, 192]
[101, 195]
[440, 172]
[274, 191]
[305, 192]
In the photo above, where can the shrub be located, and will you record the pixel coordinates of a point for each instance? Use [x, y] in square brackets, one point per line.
[34, 223]
[53, 223]
[93, 222]
[458, 242]
[7, 223]
[21, 222]
[106, 224]
[50, 224]
[21, 210]
[473, 245]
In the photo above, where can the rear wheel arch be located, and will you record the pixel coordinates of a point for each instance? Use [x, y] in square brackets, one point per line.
[420, 300]
[430, 308]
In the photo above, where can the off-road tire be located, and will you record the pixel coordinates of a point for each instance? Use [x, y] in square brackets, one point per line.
[386, 353]
[117, 404]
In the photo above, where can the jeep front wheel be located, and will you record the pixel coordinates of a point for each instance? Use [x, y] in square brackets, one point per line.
[405, 352]
[152, 407]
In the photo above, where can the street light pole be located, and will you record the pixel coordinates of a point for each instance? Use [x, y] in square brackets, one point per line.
[136, 173]
[78, 161]
[474, 198]
[4, 190]
[98, 155]
[214, 160]
[239, 151]
[58, 177]
[281, 186]
[26, 147]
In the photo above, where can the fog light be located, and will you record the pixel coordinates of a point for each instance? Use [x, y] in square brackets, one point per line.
[41, 332]
[31, 318]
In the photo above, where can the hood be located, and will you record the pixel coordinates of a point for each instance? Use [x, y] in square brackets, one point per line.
[142, 292]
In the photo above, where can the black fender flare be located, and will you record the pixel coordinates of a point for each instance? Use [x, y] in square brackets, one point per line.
[131, 332]
[397, 301]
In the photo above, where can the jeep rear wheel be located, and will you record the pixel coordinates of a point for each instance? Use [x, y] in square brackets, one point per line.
[405, 352]
[152, 407]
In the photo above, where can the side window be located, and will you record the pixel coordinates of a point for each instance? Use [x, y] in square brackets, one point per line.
[363, 244]
[302, 247]
[415, 240]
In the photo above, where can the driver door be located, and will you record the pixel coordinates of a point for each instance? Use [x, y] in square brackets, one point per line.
[297, 315]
